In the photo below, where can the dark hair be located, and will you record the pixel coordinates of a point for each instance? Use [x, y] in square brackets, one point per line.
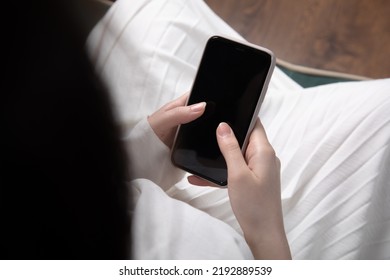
[63, 168]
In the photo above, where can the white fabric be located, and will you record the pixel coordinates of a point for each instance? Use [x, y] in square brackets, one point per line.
[333, 141]
[167, 228]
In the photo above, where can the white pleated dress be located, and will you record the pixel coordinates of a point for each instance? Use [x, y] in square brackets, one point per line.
[332, 140]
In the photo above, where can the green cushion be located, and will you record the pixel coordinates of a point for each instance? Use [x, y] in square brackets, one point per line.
[311, 80]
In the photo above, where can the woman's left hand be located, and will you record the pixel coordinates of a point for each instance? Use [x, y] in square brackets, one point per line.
[165, 121]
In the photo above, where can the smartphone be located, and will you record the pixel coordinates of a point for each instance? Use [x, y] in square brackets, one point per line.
[232, 79]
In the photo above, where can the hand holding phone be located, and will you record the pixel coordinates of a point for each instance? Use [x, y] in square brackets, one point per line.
[165, 120]
[232, 79]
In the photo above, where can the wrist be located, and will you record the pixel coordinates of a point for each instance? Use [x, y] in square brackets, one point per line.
[269, 244]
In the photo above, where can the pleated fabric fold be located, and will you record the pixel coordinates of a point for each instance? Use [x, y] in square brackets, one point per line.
[333, 140]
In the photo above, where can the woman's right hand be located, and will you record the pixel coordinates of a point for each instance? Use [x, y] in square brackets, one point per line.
[254, 191]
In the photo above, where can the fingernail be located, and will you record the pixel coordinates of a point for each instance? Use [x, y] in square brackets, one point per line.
[224, 130]
[198, 107]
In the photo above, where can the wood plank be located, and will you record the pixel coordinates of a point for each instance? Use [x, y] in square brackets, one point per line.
[351, 36]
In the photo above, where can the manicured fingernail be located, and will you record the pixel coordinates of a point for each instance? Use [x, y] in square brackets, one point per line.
[224, 130]
[198, 107]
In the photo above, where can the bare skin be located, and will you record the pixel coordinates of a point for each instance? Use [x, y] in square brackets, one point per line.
[253, 178]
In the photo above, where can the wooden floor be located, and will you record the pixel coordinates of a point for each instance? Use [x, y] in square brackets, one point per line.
[350, 36]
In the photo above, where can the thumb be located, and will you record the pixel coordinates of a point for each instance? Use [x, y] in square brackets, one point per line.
[230, 149]
[168, 118]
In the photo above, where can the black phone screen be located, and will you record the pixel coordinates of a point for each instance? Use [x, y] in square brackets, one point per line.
[230, 79]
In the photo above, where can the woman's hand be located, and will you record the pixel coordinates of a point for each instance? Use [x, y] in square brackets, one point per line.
[254, 191]
[164, 122]
[253, 180]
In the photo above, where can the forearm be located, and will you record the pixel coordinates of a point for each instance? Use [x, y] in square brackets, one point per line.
[270, 246]
[265, 234]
